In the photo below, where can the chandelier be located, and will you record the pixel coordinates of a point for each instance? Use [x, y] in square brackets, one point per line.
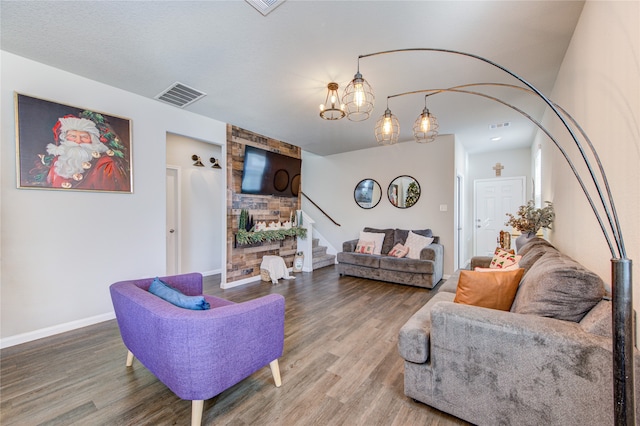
[329, 109]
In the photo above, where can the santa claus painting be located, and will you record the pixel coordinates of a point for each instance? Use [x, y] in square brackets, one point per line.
[85, 152]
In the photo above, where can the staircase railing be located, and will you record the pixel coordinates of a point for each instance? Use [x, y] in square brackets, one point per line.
[319, 208]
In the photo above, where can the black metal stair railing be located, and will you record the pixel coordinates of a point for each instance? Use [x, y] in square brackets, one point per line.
[319, 208]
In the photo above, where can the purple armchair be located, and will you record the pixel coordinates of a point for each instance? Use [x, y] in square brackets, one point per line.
[198, 354]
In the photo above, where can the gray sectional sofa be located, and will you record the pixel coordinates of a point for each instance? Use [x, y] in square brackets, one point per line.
[523, 367]
[424, 272]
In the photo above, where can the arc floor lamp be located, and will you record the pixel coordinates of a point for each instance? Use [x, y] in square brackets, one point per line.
[358, 98]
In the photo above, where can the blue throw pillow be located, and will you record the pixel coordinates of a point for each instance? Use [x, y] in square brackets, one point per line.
[173, 296]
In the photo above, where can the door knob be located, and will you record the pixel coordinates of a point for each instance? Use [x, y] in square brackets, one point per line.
[172, 231]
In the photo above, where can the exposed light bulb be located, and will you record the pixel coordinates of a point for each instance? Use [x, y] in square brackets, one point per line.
[322, 107]
[333, 101]
[386, 126]
[359, 95]
[425, 124]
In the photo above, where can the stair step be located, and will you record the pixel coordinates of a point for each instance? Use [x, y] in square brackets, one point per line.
[319, 251]
[322, 261]
[315, 242]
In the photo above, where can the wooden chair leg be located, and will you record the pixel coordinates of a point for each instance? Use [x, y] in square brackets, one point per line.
[275, 371]
[197, 407]
[129, 359]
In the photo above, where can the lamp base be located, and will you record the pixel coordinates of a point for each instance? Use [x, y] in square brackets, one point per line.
[622, 314]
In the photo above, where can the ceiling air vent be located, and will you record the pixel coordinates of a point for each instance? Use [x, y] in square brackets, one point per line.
[499, 125]
[180, 95]
[265, 6]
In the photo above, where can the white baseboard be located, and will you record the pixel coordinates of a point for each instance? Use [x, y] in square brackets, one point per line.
[56, 329]
[240, 282]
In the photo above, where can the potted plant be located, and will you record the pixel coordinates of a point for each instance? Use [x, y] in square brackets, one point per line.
[529, 220]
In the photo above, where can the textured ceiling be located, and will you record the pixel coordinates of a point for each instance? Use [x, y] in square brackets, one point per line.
[269, 74]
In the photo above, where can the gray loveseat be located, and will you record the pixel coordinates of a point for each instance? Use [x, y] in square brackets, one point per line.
[524, 367]
[424, 272]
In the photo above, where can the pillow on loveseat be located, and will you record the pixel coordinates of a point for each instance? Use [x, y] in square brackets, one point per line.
[376, 237]
[557, 286]
[175, 297]
[416, 243]
[365, 247]
[399, 251]
[387, 242]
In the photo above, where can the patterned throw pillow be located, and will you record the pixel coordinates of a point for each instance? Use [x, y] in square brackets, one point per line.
[365, 247]
[399, 251]
[416, 243]
[503, 259]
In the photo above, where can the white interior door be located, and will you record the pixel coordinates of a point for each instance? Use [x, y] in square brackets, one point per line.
[493, 199]
[173, 220]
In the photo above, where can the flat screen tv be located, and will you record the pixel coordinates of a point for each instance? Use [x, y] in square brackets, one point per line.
[270, 173]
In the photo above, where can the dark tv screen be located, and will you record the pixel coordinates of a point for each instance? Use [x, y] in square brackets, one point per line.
[269, 173]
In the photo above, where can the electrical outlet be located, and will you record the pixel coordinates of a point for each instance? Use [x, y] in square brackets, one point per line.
[443, 207]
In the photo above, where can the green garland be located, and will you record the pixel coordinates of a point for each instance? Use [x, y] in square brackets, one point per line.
[244, 237]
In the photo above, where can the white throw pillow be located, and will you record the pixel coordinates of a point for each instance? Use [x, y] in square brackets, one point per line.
[377, 239]
[416, 243]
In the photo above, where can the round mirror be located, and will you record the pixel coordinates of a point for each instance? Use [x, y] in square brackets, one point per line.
[403, 192]
[367, 193]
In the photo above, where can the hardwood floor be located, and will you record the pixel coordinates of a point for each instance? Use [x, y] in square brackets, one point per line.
[340, 367]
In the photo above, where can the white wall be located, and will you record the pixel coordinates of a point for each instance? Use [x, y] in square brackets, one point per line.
[516, 162]
[61, 250]
[330, 181]
[599, 84]
[202, 200]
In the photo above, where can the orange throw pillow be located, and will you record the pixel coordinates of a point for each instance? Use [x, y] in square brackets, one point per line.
[493, 290]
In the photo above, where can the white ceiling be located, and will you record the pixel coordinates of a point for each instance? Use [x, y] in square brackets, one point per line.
[268, 74]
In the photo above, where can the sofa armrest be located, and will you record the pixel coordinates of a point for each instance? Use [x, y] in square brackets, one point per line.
[349, 246]
[480, 261]
[435, 253]
[414, 336]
